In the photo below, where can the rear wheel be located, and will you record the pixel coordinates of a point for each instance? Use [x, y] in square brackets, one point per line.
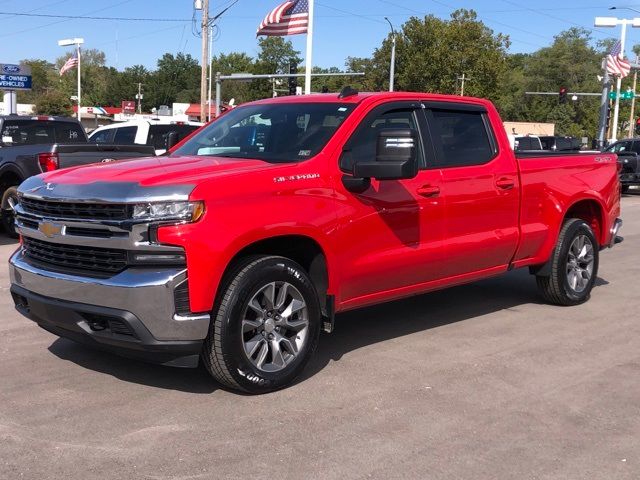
[9, 201]
[265, 326]
[574, 265]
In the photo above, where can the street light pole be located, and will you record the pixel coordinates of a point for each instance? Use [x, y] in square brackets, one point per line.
[392, 70]
[77, 42]
[614, 22]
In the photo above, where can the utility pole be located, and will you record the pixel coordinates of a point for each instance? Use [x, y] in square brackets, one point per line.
[205, 59]
[139, 97]
[463, 79]
[604, 107]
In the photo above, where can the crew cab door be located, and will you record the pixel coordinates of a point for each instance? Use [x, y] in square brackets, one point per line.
[390, 234]
[480, 188]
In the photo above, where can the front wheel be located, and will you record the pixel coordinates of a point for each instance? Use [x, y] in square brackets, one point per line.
[574, 265]
[9, 201]
[265, 326]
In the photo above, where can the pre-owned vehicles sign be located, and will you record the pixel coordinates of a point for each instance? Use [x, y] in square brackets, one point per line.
[15, 77]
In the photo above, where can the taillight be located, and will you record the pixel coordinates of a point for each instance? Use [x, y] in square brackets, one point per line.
[48, 161]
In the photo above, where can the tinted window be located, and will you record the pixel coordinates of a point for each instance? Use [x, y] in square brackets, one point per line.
[37, 132]
[273, 132]
[158, 134]
[69, 133]
[619, 147]
[547, 143]
[636, 146]
[362, 145]
[125, 135]
[463, 138]
[103, 136]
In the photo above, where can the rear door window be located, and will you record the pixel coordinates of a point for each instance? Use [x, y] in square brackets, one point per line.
[67, 132]
[125, 135]
[461, 137]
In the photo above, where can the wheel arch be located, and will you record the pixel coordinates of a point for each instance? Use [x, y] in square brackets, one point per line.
[592, 212]
[302, 249]
[10, 175]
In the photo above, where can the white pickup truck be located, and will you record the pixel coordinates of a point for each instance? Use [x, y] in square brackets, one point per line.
[143, 132]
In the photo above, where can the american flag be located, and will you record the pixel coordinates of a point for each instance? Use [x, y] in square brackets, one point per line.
[616, 63]
[72, 62]
[288, 18]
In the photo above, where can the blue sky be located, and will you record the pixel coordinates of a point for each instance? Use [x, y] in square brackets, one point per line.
[343, 28]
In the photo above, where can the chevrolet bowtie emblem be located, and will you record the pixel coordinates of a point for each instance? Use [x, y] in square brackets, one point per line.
[50, 230]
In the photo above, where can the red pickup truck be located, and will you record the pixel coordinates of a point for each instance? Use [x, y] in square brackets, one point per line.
[240, 246]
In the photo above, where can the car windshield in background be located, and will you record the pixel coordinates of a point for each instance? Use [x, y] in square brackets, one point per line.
[274, 132]
[39, 132]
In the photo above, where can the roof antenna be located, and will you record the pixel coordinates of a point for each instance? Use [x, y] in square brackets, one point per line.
[348, 92]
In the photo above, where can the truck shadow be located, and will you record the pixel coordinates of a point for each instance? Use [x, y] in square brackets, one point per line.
[5, 240]
[354, 330]
[368, 326]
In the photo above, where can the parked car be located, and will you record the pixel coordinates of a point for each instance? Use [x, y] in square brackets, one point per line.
[32, 145]
[560, 143]
[242, 244]
[627, 151]
[157, 133]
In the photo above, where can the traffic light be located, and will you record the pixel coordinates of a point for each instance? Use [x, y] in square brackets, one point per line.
[637, 129]
[562, 95]
[293, 81]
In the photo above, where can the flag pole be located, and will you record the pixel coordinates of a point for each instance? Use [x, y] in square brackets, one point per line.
[307, 76]
[79, 84]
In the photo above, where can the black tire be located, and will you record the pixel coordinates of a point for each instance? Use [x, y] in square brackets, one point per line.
[8, 215]
[224, 349]
[555, 288]
[625, 188]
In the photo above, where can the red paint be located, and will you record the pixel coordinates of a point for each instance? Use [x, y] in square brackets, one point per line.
[444, 227]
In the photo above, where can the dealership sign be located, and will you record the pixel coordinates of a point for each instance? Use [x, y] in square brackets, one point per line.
[15, 77]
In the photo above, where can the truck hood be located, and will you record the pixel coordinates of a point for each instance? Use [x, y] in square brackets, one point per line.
[158, 170]
[145, 179]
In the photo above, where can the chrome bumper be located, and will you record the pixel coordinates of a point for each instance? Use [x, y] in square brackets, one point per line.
[145, 293]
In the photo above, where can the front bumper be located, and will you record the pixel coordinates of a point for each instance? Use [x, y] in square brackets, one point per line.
[132, 313]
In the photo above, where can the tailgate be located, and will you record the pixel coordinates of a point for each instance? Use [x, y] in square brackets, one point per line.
[73, 155]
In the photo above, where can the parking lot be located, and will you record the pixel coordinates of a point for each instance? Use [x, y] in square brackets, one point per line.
[481, 382]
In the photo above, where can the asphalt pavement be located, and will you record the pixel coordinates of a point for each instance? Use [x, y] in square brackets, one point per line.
[482, 381]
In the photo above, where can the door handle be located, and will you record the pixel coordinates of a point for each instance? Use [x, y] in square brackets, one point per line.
[505, 183]
[429, 191]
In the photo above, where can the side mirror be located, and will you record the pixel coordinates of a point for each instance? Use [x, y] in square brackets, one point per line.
[172, 140]
[396, 156]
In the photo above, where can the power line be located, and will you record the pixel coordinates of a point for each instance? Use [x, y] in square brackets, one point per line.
[86, 17]
[38, 27]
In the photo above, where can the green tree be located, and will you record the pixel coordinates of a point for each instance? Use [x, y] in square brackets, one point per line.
[227, 64]
[42, 80]
[177, 79]
[431, 53]
[275, 56]
[54, 103]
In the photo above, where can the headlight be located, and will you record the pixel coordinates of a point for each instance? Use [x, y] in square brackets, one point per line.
[180, 211]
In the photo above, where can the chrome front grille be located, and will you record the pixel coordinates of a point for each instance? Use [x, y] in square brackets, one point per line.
[75, 210]
[74, 259]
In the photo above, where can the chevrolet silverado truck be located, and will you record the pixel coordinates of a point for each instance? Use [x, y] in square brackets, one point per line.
[32, 145]
[240, 246]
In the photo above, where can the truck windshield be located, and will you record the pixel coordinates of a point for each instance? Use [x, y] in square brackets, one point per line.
[38, 132]
[274, 132]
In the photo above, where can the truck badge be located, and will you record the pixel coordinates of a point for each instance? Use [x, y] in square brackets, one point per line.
[49, 186]
[50, 230]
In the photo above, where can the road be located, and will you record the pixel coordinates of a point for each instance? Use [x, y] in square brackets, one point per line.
[477, 382]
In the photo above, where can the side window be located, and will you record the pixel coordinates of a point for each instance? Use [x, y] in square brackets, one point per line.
[158, 136]
[362, 144]
[636, 147]
[105, 136]
[461, 138]
[620, 147]
[67, 132]
[125, 135]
